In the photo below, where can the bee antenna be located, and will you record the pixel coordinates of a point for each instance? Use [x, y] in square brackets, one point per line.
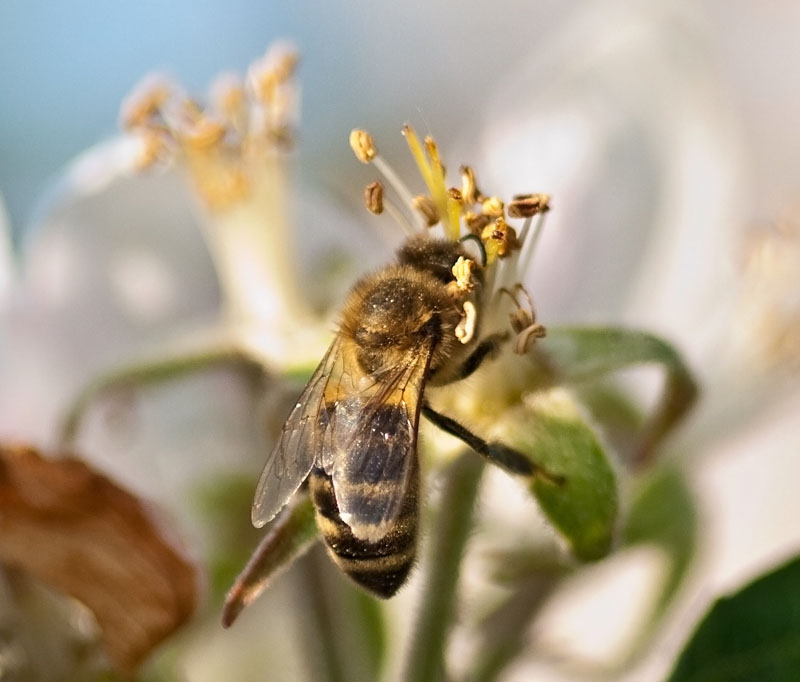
[481, 248]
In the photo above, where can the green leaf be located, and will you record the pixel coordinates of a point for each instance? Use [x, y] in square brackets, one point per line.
[550, 429]
[578, 354]
[751, 635]
[289, 536]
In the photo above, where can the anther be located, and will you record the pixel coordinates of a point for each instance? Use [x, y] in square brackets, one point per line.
[373, 197]
[205, 132]
[465, 329]
[469, 189]
[523, 321]
[492, 207]
[500, 239]
[476, 222]
[363, 145]
[462, 271]
[528, 205]
[424, 204]
[145, 102]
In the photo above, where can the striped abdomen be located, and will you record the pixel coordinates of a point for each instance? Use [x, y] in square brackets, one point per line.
[382, 566]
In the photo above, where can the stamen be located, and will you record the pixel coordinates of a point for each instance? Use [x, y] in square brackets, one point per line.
[274, 69]
[469, 189]
[373, 197]
[229, 99]
[527, 337]
[528, 205]
[523, 321]
[400, 218]
[465, 329]
[529, 241]
[394, 180]
[426, 207]
[154, 146]
[500, 239]
[144, 102]
[433, 174]
[476, 222]
[363, 145]
[204, 132]
[492, 207]
[462, 271]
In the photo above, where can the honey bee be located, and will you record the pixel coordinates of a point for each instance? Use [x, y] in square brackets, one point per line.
[352, 435]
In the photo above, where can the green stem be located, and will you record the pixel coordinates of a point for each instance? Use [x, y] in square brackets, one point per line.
[318, 622]
[425, 660]
[146, 372]
[505, 630]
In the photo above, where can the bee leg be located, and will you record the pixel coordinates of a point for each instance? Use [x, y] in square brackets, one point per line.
[503, 456]
[488, 348]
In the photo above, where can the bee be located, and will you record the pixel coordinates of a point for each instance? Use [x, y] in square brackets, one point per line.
[352, 435]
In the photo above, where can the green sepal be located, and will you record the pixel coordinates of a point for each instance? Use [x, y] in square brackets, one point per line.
[289, 536]
[570, 355]
[583, 505]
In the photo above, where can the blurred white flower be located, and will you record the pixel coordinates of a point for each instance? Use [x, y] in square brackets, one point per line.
[630, 122]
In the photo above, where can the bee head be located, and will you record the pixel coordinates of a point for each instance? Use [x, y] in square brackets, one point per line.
[436, 257]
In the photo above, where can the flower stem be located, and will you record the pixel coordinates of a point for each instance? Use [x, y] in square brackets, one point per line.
[251, 245]
[505, 630]
[150, 371]
[324, 660]
[425, 661]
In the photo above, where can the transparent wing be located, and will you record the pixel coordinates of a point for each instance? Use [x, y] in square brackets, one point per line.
[300, 441]
[370, 449]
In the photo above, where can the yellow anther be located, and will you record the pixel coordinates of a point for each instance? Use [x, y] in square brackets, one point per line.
[144, 102]
[492, 207]
[462, 271]
[469, 189]
[465, 329]
[363, 145]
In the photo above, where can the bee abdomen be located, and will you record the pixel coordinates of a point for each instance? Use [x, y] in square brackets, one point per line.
[381, 566]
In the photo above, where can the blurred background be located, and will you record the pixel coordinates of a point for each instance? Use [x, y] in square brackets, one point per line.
[665, 131]
[65, 69]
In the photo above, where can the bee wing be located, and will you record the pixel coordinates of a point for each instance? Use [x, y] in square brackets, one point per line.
[370, 450]
[300, 442]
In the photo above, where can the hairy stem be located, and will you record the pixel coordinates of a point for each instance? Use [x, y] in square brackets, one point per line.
[324, 661]
[425, 659]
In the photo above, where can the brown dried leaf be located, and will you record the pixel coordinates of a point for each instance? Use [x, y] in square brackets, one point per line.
[82, 534]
